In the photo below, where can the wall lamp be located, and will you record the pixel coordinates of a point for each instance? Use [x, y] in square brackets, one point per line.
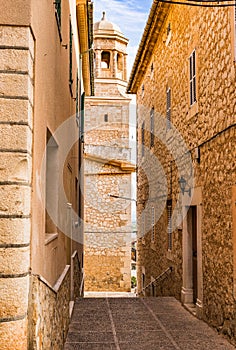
[182, 184]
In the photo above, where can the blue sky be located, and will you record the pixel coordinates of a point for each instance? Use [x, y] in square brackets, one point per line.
[130, 16]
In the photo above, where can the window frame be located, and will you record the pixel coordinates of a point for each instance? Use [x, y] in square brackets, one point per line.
[168, 108]
[192, 78]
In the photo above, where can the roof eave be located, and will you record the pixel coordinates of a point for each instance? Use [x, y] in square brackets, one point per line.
[150, 35]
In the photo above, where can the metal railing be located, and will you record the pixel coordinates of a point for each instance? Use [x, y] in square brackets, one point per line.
[158, 279]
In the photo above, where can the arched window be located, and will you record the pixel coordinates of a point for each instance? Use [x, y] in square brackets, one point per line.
[119, 61]
[105, 59]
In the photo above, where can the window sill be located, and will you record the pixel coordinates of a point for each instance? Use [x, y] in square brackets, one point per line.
[49, 237]
[193, 110]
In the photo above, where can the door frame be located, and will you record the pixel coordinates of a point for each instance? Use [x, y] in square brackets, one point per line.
[187, 288]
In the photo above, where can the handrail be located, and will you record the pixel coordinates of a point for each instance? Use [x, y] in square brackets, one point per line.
[159, 278]
[81, 284]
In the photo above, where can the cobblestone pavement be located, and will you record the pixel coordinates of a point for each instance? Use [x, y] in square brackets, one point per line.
[138, 324]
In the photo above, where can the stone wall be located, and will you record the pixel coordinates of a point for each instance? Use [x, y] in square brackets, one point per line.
[16, 105]
[49, 312]
[218, 175]
[208, 130]
[107, 228]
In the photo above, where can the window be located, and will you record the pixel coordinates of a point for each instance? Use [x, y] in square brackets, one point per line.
[105, 118]
[168, 108]
[143, 137]
[168, 30]
[77, 100]
[152, 128]
[192, 72]
[82, 101]
[152, 67]
[143, 280]
[168, 34]
[143, 229]
[142, 90]
[120, 61]
[152, 70]
[51, 199]
[105, 60]
[70, 58]
[58, 15]
[169, 223]
[153, 225]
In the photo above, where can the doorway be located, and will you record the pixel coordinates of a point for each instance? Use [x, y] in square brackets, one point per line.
[192, 230]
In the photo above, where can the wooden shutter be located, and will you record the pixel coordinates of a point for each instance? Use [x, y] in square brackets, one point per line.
[192, 78]
[169, 223]
[152, 128]
[168, 108]
[153, 224]
[143, 138]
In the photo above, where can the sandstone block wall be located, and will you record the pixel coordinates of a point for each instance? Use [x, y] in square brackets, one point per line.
[208, 129]
[16, 105]
[49, 312]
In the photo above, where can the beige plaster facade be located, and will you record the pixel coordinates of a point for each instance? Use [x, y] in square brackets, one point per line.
[107, 166]
[184, 76]
[40, 248]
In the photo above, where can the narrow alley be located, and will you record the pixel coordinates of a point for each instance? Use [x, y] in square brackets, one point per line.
[139, 323]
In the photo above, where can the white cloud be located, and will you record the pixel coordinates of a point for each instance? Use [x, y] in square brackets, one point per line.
[130, 16]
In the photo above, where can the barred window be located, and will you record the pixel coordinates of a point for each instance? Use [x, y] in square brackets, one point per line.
[152, 128]
[168, 108]
[169, 224]
[192, 77]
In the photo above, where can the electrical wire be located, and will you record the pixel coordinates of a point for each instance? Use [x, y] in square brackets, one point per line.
[199, 3]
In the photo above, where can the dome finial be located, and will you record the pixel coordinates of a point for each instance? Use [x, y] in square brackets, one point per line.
[103, 16]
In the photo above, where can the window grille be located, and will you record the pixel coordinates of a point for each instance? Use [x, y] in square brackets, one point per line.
[168, 108]
[152, 127]
[192, 70]
[169, 224]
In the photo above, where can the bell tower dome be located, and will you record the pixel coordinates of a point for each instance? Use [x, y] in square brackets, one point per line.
[110, 47]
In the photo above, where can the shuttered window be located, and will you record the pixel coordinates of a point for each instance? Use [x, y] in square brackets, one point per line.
[169, 223]
[168, 108]
[153, 225]
[71, 56]
[58, 15]
[143, 137]
[192, 71]
[152, 128]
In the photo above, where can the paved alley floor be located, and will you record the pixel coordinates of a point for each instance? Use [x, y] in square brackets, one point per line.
[138, 324]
